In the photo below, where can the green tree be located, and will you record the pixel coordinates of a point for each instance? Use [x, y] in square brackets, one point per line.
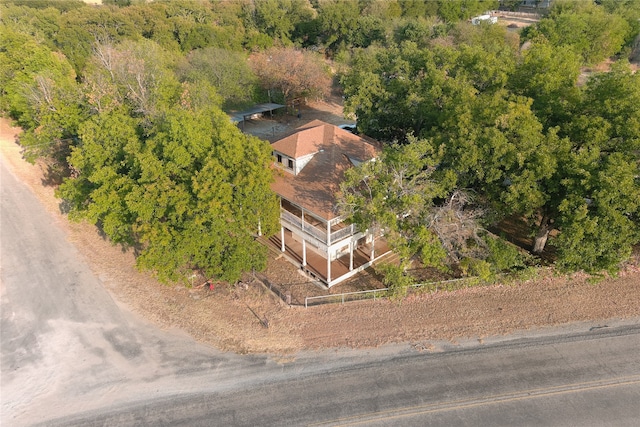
[210, 187]
[39, 91]
[135, 74]
[105, 169]
[61, 5]
[278, 18]
[395, 91]
[81, 29]
[627, 9]
[398, 91]
[395, 193]
[151, 22]
[418, 8]
[549, 76]
[457, 10]
[543, 156]
[43, 24]
[600, 213]
[229, 72]
[189, 193]
[587, 28]
[338, 19]
[421, 31]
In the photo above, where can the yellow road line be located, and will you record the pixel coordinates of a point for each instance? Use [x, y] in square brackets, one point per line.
[490, 400]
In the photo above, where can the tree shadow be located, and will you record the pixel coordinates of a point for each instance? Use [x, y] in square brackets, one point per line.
[516, 230]
[54, 174]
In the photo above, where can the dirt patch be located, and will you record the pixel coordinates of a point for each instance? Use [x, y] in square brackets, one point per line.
[248, 318]
[273, 127]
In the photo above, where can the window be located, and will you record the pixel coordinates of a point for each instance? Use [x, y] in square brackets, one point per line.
[279, 158]
[290, 164]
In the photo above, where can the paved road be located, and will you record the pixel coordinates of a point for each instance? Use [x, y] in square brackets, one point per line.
[71, 356]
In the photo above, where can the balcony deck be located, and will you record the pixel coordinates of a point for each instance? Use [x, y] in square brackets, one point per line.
[317, 264]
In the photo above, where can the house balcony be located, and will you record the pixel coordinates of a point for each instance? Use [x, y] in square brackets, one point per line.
[317, 230]
[328, 250]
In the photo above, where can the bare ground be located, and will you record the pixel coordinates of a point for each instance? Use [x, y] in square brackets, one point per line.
[248, 318]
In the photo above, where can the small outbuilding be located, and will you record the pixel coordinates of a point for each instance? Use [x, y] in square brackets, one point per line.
[256, 110]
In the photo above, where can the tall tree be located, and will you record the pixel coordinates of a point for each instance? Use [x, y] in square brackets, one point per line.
[456, 10]
[396, 193]
[600, 214]
[39, 91]
[137, 74]
[544, 158]
[548, 75]
[278, 18]
[587, 28]
[229, 72]
[190, 192]
[337, 20]
[292, 72]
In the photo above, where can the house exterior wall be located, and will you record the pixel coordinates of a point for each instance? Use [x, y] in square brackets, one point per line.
[311, 234]
[285, 162]
[282, 160]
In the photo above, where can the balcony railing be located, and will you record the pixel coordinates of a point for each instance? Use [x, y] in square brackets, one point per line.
[304, 226]
[314, 231]
[343, 232]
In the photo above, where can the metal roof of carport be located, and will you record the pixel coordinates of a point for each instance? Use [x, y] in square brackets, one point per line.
[241, 116]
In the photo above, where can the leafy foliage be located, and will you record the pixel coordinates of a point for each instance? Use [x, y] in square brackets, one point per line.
[39, 91]
[524, 137]
[588, 29]
[227, 71]
[183, 192]
[293, 73]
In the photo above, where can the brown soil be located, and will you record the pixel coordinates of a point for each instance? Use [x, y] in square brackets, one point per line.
[249, 318]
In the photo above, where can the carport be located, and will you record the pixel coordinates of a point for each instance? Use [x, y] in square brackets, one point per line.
[241, 116]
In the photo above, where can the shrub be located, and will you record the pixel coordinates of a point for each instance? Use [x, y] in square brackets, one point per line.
[504, 256]
[396, 279]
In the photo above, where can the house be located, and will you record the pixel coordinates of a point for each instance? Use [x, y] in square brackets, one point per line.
[311, 163]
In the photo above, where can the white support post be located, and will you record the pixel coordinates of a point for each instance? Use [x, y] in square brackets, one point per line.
[351, 245]
[328, 251]
[304, 252]
[373, 242]
[282, 238]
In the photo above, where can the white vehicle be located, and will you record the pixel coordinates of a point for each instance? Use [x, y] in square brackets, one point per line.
[484, 18]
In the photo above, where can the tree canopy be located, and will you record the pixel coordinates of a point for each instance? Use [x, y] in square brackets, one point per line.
[188, 190]
[517, 129]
